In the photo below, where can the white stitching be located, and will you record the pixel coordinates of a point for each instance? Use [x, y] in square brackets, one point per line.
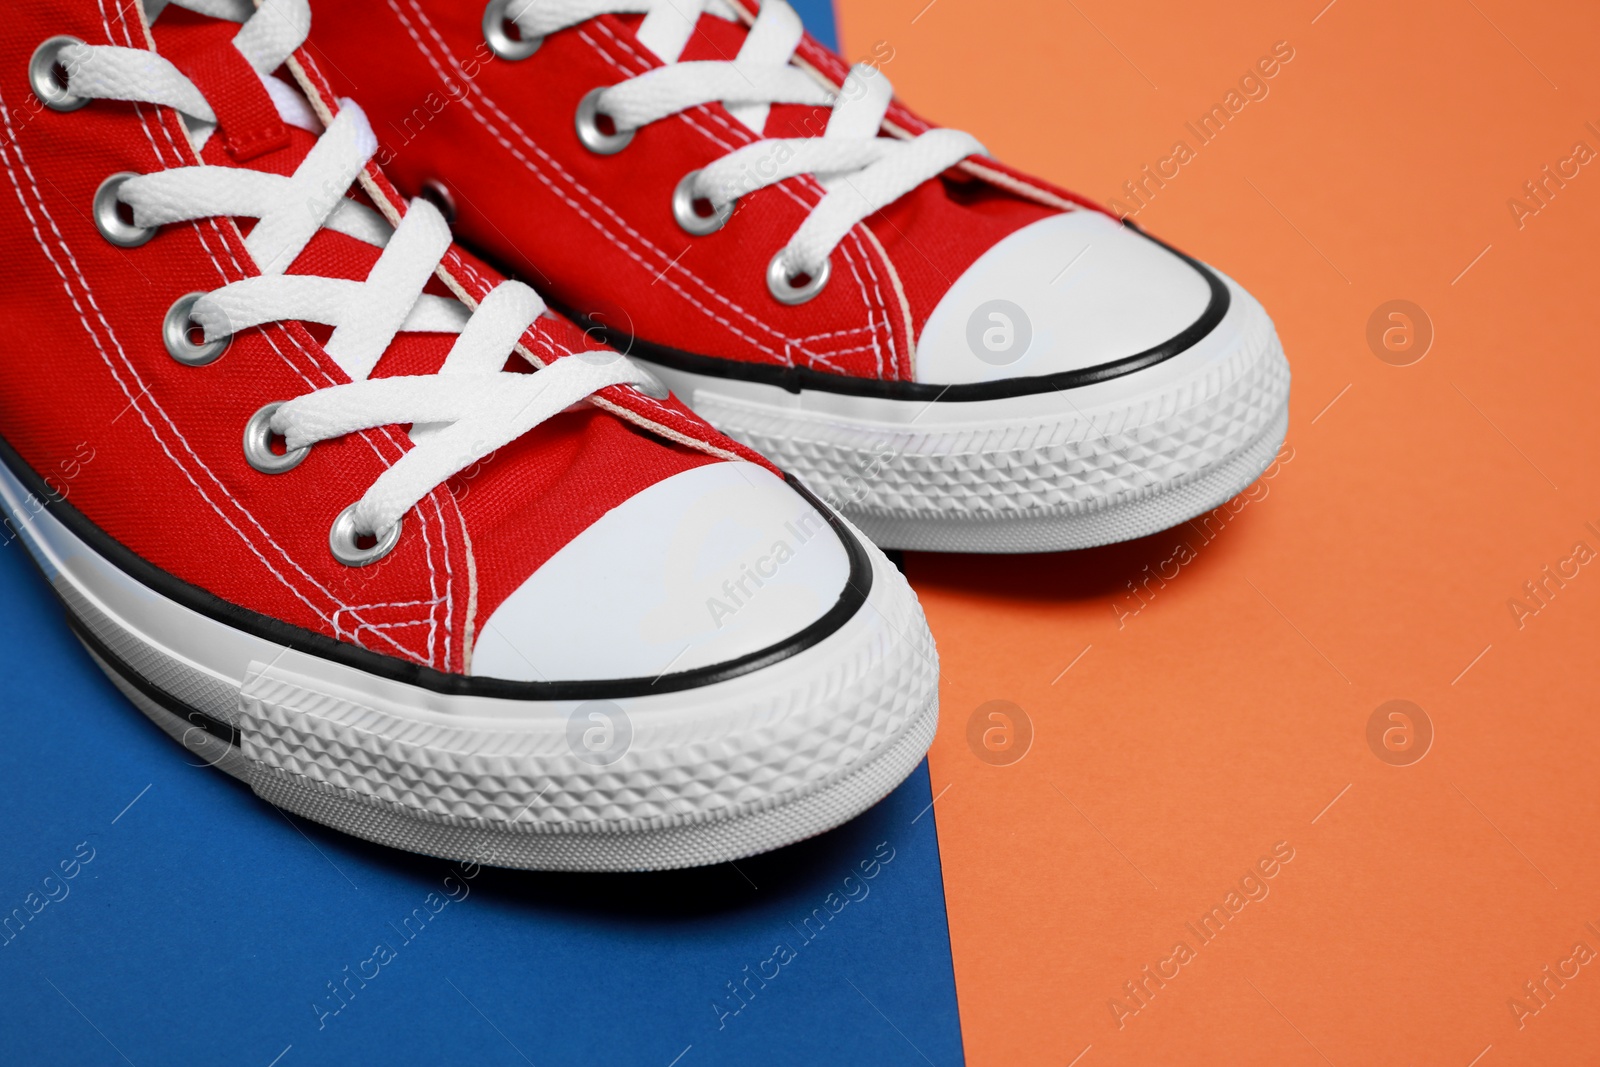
[594, 220]
[387, 434]
[583, 212]
[806, 182]
[134, 398]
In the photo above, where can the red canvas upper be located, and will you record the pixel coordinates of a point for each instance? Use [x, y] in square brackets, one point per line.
[596, 233]
[149, 449]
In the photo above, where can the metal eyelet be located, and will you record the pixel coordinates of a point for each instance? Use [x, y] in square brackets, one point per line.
[344, 541]
[439, 195]
[175, 332]
[108, 214]
[654, 388]
[781, 284]
[497, 33]
[601, 144]
[684, 199]
[258, 445]
[51, 90]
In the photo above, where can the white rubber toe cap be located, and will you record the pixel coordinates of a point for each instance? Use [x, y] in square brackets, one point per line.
[1071, 291]
[707, 566]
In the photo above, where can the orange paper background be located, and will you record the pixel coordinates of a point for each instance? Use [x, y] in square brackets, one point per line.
[1230, 713]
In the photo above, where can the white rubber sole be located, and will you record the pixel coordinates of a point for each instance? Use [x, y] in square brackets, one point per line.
[1044, 472]
[711, 774]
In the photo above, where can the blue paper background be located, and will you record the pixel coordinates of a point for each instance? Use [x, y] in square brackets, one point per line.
[207, 924]
[819, 20]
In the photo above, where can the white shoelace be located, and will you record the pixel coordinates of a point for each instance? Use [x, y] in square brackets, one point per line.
[861, 171]
[467, 410]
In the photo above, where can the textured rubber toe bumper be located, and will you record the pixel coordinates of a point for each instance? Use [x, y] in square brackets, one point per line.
[696, 783]
[742, 764]
[1104, 461]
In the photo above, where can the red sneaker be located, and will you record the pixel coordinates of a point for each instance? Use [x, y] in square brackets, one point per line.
[960, 356]
[284, 453]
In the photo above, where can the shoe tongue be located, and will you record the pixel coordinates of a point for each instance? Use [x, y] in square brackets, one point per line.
[250, 131]
[251, 134]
